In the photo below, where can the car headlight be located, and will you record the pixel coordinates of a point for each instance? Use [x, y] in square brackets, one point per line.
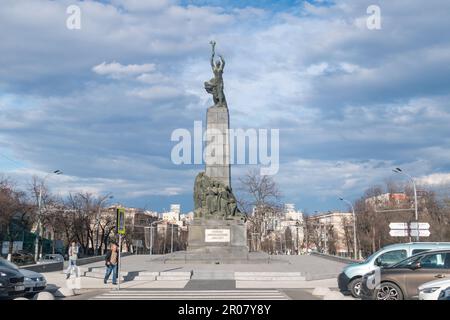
[429, 290]
[27, 279]
[3, 274]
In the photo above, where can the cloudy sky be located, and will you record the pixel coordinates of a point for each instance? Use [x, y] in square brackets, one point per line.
[100, 103]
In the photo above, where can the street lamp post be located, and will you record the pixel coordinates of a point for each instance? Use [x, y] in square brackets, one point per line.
[171, 240]
[39, 223]
[98, 221]
[416, 212]
[151, 235]
[355, 254]
[254, 243]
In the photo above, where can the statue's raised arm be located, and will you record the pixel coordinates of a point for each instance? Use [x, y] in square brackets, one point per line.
[213, 52]
[222, 60]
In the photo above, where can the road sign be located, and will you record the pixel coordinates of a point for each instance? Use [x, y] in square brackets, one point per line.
[398, 226]
[422, 233]
[399, 233]
[420, 226]
[120, 221]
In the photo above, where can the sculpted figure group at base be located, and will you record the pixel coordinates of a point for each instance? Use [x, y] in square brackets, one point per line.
[214, 199]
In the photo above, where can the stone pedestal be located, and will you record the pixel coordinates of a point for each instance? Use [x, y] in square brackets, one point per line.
[217, 236]
[217, 152]
[215, 241]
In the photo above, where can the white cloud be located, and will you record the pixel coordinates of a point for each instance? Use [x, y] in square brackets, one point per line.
[117, 70]
[156, 93]
[143, 5]
[435, 179]
[153, 78]
[325, 178]
[317, 69]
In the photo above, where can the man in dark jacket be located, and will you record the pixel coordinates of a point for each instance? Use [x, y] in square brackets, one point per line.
[112, 263]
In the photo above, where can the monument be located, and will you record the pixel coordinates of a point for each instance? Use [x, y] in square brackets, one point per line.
[218, 232]
[218, 228]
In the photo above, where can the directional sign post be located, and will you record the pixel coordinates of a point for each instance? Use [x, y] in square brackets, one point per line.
[420, 233]
[419, 226]
[398, 233]
[398, 226]
[413, 229]
[398, 229]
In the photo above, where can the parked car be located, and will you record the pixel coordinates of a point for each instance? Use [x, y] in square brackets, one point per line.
[49, 258]
[349, 280]
[22, 258]
[11, 280]
[34, 282]
[445, 294]
[431, 290]
[402, 280]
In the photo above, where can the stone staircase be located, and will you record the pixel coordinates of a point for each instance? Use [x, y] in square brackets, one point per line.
[174, 275]
[268, 276]
[99, 272]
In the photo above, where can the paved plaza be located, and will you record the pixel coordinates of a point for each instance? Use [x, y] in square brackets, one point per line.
[143, 277]
[312, 267]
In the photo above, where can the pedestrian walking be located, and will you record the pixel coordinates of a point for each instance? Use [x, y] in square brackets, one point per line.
[73, 256]
[112, 263]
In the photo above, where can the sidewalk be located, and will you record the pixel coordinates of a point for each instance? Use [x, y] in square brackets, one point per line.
[316, 272]
[58, 279]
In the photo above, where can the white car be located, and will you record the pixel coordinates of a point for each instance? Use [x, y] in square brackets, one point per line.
[431, 290]
[51, 258]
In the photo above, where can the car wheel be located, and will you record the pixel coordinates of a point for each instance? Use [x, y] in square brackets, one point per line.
[355, 287]
[388, 291]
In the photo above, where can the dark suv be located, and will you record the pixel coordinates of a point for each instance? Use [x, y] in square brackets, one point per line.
[11, 280]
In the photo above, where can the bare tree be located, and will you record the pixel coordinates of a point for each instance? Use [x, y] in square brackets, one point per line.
[259, 199]
[373, 220]
[83, 206]
[15, 211]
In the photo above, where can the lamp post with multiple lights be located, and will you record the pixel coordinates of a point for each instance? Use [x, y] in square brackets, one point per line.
[39, 222]
[416, 213]
[107, 197]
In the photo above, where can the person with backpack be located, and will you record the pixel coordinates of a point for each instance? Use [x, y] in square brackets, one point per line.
[112, 263]
[73, 256]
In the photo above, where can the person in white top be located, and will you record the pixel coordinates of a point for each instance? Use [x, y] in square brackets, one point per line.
[73, 256]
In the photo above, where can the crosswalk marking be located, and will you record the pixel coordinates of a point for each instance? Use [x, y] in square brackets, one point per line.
[192, 295]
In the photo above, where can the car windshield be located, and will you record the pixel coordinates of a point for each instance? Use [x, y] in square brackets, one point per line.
[406, 263]
[370, 257]
[5, 263]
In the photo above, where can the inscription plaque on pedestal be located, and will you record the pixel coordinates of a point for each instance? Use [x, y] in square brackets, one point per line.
[217, 235]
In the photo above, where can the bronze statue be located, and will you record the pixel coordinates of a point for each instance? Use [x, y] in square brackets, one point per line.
[212, 198]
[215, 85]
